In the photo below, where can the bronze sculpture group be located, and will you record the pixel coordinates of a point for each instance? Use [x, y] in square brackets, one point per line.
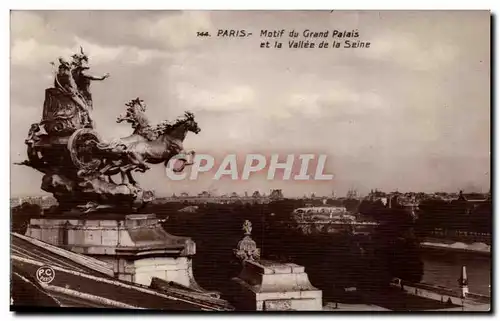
[77, 165]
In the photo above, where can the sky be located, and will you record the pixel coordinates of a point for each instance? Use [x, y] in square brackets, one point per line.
[410, 113]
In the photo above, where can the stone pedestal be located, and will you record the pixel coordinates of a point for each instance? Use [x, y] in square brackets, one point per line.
[271, 286]
[136, 245]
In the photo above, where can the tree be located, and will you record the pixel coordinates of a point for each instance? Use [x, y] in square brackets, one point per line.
[481, 218]
[371, 208]
[21, 216]
[256, 194]
[351, 204]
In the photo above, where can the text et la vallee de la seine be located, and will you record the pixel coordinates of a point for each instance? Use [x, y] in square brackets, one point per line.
[305, 39]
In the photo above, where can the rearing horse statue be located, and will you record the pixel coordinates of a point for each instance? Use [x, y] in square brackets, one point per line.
[135, 154]
[135, 115]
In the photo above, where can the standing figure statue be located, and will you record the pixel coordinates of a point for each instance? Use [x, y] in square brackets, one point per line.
[64, 81]
[81, 78]
[71, 80]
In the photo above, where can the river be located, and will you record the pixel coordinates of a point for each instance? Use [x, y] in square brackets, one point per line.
[442, 267]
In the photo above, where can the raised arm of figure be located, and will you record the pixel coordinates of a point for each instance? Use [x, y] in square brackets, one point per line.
[96, 78]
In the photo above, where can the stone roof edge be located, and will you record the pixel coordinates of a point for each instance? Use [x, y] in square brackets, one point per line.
[120, 283]
[89, 262]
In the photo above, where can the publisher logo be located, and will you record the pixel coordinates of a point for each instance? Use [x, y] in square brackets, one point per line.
[45, 274]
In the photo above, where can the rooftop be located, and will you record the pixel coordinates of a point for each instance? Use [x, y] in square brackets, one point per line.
[81, 281]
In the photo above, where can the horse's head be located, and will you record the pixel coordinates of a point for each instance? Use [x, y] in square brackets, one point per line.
[190, 123]
[179, 128]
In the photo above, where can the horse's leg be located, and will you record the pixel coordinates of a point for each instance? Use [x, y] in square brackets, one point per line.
[185, 160]
[126, 167]
[178, 170]
[187, 157]
[131, 178]
[124, 177]
[138, 160]
[191, 161]
[125, 171]
[106, 168]
[131, 183]
[141, 170]
[132, 167]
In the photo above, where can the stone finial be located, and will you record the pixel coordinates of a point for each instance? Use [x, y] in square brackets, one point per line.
[247, 227]
[247, 248]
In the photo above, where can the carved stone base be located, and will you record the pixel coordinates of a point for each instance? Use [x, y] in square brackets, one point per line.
[268, 285]
[136, 245]
[81, 194]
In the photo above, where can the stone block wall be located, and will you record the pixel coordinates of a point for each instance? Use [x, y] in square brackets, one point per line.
[267, 285]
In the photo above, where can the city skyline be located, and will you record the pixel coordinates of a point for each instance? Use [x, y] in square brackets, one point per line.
[411, 113]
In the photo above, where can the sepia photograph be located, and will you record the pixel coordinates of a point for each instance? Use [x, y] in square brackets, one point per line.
[251, 160]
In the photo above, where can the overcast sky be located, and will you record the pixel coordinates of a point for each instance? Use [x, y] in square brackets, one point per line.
[412, 112]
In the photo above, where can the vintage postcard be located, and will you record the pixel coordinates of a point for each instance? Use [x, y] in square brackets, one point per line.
[251, 160]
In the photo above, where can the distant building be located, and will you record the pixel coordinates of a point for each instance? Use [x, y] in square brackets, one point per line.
[325, 212]
[276, 194]
[204, 194]
[376, 194]
[48, 201]
[352, 193]
[16, 201]
[42, 201]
